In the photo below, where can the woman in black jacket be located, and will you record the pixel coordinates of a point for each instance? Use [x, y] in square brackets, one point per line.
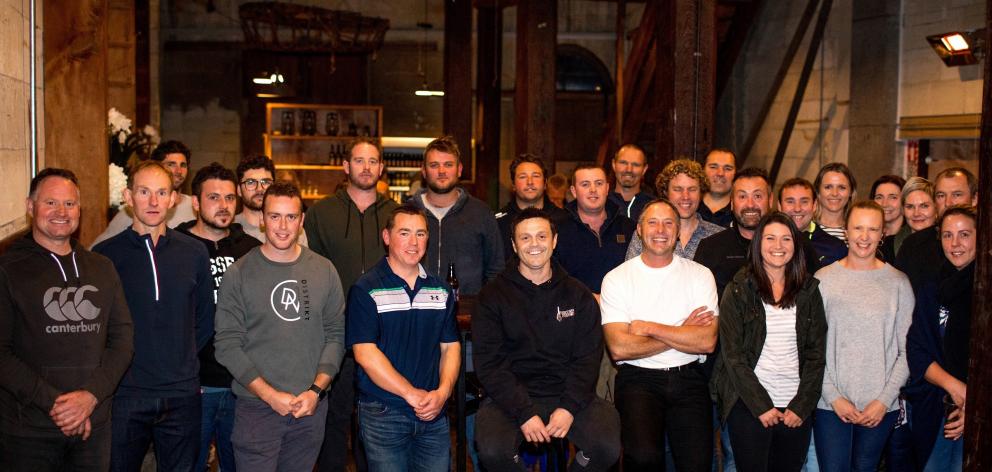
[768, 377]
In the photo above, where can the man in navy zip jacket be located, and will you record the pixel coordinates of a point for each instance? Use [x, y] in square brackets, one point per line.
[65, 339]
[166, 278]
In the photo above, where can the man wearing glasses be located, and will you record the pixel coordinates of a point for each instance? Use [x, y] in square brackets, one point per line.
[255, 174]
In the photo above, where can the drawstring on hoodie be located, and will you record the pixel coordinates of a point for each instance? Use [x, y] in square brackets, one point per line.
[75, 267]
[151, 257]
[631, 205]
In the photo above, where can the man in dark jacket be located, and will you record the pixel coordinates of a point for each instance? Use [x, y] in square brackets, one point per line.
[214, 200]
[462, 228]
[166, 278]
[538, 342]
[529, 178]
[346, 228]
[797, 198]
[65, 339]
[629, 166]
[594, 239]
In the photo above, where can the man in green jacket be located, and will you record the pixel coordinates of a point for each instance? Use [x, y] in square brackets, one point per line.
[346, 228]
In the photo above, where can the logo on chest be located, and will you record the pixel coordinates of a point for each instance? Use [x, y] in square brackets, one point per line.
[562, 314]
[290, 300]
[69, 304]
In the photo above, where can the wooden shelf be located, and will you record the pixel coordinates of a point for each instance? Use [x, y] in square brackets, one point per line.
[402, 169]
[313, 197]
[307, 167]
[399, 188]
[316, 137]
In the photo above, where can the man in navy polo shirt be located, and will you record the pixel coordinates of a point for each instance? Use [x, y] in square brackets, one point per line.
[401, 326]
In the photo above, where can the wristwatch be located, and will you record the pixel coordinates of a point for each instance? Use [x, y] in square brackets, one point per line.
[321, 393]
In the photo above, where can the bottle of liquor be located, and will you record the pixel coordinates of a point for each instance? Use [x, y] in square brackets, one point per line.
[453, 280]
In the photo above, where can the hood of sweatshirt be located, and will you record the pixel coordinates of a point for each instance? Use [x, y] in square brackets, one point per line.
[418, 200]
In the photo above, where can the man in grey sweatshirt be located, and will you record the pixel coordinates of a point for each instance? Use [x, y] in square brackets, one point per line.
[280, 331]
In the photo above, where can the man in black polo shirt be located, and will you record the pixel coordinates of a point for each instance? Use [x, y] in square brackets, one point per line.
[529, 176]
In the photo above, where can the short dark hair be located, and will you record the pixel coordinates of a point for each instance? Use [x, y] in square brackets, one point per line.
[142, 165]
[51, 172]
[633, 147]
[960, 210]
[283, 189]
[558, 181]
[528, 213]
[214, 170]
[956, 171]
[571, 180]
[886, 179]
[752, 173]
[723, 150]
[257, 161]
[527, 157]
[445, 144]
[171, 147]
[796, 272]
[796, 182]
[405, 209]
[374, 142]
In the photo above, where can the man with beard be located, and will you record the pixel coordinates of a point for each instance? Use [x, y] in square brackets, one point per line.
[344, 228]
[629, 166]
[797, 198]
[174, 156]
[214, 200]
[682, 182]
[255, 175]
[464, 233]
[528, 174]
[659, 319]
[720, 167]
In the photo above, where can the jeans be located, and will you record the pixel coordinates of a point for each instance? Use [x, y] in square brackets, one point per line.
[173, 424]
[595, 432]
[654, 404]
[778, 448]
[56, 454]
[216, 426]
[811, 464]
[726, 449]
[847, 447]
[396, 441]
[947, 455]
[340, 407]
[265, 441]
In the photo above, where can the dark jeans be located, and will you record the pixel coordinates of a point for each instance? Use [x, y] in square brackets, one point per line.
[173, 424]
[655, 404]
[265, 441]
[595, 432]
[397, 442]
[847, 447]
[341, 405]
[57, 454]
[216, 426]
[779, 448]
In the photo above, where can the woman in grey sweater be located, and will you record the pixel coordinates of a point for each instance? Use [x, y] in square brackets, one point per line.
[869, 307]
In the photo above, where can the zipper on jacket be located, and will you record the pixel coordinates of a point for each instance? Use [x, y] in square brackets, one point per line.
[151, 257]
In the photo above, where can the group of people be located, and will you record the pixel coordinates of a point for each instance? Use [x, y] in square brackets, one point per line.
[681, 326]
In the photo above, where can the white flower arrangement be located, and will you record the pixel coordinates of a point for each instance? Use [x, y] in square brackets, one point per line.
[118, 182]
[119, 124]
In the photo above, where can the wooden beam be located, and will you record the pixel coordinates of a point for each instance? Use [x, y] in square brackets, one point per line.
[620, 46]
[797, 98]
[488, 95]
[458, 77]
[75, 94]
[978, 420]
[534, 100]
[142, 61]
[732, 44]
[783, 69]
[684, 80]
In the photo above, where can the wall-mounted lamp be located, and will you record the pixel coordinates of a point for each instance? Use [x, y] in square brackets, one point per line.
[271, 85]
[426, 91]
[266, 79]
[959, 48]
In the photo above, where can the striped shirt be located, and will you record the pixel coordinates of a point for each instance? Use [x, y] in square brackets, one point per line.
[778, 366]
[837, 232]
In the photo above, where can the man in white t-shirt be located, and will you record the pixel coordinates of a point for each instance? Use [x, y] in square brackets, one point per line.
[659, 319]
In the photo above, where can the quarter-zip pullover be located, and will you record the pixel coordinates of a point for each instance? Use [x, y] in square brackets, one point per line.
[588, 255]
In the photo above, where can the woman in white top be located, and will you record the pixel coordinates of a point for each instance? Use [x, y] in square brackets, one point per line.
[869, 307]
[770, 370]
[835, 190]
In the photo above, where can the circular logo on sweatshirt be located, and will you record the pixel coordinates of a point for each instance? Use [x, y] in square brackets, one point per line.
[285, 300]
[59, 307]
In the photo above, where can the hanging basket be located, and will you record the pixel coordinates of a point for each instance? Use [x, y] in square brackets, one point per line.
[276, 26]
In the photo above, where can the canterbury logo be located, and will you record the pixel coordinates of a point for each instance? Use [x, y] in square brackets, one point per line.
[61, 308]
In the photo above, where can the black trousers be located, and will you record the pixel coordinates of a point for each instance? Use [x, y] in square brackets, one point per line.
[759, 449]
[654, 404]
[56, 454]
[595, 432]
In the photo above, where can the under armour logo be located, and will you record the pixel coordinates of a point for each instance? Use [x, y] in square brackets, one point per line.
[283, 297]
[435, 298]
[62, 309]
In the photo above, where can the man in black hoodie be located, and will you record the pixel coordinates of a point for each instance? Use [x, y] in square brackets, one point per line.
[538, 343]
[214, 200]
[65, 339]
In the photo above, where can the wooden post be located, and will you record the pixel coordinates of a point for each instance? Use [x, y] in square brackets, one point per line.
[488, 95]
[620, 46]
[534, 101]
[978, 420]
[684, 79]
[458, 77]
[142, 61]
[75, 52]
